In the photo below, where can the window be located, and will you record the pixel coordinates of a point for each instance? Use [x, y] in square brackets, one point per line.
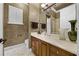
[15, 15]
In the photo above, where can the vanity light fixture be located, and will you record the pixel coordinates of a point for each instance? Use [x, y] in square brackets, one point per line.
[43, 5]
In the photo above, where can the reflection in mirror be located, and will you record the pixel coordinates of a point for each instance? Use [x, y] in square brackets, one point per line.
[48, 25]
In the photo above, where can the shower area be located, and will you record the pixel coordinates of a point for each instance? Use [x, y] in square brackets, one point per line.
[15, 26]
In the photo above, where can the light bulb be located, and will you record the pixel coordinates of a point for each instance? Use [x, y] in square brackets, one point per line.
[43, 5]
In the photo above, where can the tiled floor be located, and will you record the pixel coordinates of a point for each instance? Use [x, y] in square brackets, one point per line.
[18, 50]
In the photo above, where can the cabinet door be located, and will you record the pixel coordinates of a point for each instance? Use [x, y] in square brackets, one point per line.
[34, 46]
[66, 53]
[56, 51]
[39, 48]
[53, 51]
[43, 48]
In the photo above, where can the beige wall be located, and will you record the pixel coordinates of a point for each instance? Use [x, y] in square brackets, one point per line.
[58, 22]
[13, 33]
[55, 22]
[35, 15]
[42, 17]
[34, 12]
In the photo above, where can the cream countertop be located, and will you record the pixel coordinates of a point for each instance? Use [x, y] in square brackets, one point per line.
[54, 40]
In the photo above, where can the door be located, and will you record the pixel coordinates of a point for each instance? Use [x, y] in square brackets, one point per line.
[77, 28]
[1, 29]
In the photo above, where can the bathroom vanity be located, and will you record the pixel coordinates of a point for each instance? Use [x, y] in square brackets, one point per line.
[46, 45]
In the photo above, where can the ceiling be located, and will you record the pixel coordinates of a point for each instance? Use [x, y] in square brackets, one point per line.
[57, 6]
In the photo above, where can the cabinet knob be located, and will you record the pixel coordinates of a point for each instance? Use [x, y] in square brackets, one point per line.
[57, 52]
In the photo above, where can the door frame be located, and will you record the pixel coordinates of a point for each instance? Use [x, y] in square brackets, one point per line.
[1, 36]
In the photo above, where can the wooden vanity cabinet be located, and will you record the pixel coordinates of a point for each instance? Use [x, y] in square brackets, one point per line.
[66, 53]
[56, 51]
[39, 48]
[42, 48]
